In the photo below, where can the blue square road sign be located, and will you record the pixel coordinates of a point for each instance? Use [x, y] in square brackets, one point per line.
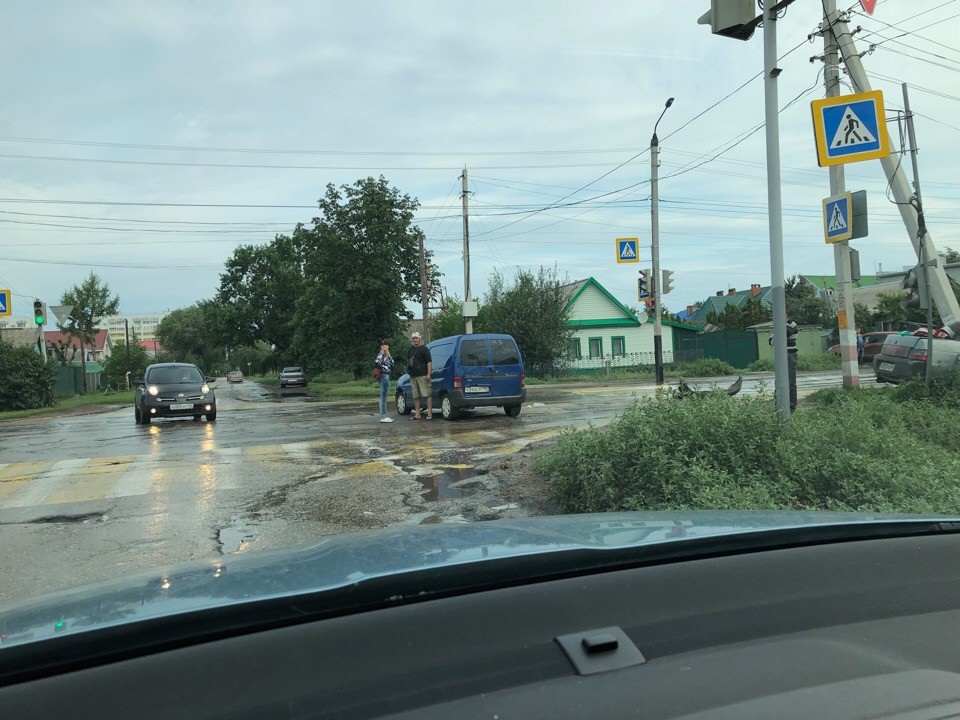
[850, 128]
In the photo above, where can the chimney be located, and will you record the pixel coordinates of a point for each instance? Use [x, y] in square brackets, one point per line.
[691, 310]
[732, 291]
[754, 290]
[719, 293]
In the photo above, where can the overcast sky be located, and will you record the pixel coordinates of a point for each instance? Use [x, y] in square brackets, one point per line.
[538, 99]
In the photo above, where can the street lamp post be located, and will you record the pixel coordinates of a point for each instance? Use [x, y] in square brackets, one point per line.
[655, 246]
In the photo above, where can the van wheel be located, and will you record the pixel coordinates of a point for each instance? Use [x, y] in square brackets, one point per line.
[512, 410]
[447, 410]
[402, 407]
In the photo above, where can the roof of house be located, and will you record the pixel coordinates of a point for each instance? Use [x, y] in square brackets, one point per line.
[717, 303]
[55, 337]
[574, 290]
[829, 282]
[150, 344]
[680, 325]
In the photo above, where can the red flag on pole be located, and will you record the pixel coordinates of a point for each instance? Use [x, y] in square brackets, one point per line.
[868, 6]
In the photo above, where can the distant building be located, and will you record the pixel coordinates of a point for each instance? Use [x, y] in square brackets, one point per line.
[145, 326]
[738, 298]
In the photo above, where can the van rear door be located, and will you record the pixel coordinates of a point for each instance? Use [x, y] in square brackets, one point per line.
[506, 367]
[475, 367]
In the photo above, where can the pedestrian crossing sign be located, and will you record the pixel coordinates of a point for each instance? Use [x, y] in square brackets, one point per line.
[6, 307]
[838, 217]
[850, 128]
[627, 250]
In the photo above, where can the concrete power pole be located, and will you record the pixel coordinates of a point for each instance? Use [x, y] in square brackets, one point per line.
[467, 297]
[843, 293]
[940, 290]
[424, 295]
[655, 276]
[774, 210]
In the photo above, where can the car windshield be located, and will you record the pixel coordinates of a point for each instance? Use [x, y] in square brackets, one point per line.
[533, 259]
[174, 375]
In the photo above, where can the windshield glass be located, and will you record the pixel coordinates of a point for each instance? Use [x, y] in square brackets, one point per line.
[528, 257]
[174, 375]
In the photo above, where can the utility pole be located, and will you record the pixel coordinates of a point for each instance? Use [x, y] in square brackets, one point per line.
[940, 289]
[843, 294]
[655, 247]
[925, 259]
[424, 295]
[126, 344]
[774, 210]
[467, 297]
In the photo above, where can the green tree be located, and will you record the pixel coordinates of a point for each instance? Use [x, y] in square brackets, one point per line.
[952, 255]
[117, 365]
[739, 318]
[361, 266]
[449, 321]
[259, 289]
[259, 358]
[194, 334]
[26, 381]
[804, 304]
[533, 309]
[91, 301]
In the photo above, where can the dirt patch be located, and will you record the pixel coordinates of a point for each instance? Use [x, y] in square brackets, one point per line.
[519, 483]
[55, 413]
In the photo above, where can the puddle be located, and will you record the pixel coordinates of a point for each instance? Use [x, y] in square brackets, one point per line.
[439, 486]
[235, 537]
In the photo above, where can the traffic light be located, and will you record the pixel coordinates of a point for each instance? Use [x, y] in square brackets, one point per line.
[917, 290]
[643, 284]
[735, 19]
[39, 313]
[667, 284]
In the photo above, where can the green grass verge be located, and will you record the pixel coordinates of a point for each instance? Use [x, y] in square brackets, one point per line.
[336, 386]
[69, 403]
[869, 450]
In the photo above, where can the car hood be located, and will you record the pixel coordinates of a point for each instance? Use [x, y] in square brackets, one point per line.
[173, 388]
[347, 560]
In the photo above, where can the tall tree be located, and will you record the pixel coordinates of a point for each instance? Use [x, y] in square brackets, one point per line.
[118, 364]
[805, 305]
[361, 263]
[91, 302]
[194, 334]
[259, 289]
[740, 318]
[952, 255]
[533, 309]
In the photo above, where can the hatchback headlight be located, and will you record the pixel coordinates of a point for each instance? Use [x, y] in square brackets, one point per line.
[153, 390]
[204, 388]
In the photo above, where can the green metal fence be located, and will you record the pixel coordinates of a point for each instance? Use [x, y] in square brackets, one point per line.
[69, 381]
[737, 347]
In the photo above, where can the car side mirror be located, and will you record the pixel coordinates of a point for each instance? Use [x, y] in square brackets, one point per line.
[211, 380]
[138, 382]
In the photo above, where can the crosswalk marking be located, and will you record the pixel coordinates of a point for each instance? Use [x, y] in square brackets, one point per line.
[35, 488]
[93, 481]
[138, 480]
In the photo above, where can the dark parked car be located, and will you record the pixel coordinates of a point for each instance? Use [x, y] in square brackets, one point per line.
[903, 357]
[471, 371]
[174, 390]
[872, 342]
[292, 377]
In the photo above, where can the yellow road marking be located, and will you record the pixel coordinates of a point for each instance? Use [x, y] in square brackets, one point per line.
[374, 468]
[93, 481]
[24, 470]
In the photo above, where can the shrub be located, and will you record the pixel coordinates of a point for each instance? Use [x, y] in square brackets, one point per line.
[26, 381]
[818, 362]
[706, 367]
[944, 390]
[854, 450]
[763, 365]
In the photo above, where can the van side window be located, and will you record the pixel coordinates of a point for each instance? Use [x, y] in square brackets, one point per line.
[504, 352]
[441, 354]
[473, 353]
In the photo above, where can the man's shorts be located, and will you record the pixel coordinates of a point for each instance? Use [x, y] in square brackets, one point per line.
[420, 386]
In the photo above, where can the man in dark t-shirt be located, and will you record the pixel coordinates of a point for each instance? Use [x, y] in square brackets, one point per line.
[420, 367]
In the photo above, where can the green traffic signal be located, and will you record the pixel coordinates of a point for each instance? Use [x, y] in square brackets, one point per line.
[38, 313]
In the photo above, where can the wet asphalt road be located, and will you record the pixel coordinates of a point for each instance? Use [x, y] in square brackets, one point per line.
[92, 497]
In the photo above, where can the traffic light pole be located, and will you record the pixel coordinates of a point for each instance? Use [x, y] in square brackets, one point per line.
[843, 293]
[774, 211]
[921, 231]
[654, 280]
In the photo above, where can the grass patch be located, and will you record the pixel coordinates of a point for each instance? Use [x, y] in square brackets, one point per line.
[763, 365]
[707, 367]
[863, 450]
[826, 361]
[71, 402]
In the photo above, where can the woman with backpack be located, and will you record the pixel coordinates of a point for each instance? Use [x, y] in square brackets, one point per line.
[381, 372]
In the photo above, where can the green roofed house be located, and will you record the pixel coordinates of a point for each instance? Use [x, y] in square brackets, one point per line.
[737, 298]
[607, 332]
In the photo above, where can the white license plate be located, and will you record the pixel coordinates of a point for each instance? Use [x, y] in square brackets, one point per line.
[181, 406]
[886, 367]
[477, 389]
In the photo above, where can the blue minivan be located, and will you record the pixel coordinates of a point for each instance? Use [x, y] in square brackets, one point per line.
[471, 371]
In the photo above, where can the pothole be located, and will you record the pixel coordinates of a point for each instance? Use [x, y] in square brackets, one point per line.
[79, 518]
[440, 486]
[235, 537]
